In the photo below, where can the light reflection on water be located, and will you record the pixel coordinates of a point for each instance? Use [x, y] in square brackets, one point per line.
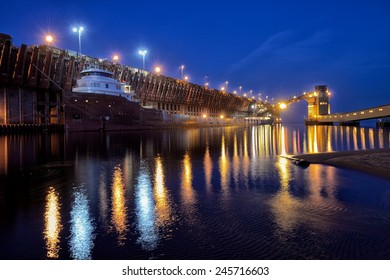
[145, 215]
[284, 205]
[224, 167]
[82, 228]
[161, 196]
[187, 192]
[221, 188]
[119, 209]
[103, 200]
[208, 169]
[53, 224]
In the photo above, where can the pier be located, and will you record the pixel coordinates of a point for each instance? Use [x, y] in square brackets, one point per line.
[35, 79]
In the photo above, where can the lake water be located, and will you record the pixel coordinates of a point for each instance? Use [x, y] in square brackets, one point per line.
[210, 193]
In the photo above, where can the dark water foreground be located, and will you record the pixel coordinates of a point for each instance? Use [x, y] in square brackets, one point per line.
[217, 193]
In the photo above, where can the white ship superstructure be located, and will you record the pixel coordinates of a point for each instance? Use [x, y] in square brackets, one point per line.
[99, 81]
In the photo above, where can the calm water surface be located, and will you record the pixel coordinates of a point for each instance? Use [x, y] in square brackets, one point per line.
[215, 193]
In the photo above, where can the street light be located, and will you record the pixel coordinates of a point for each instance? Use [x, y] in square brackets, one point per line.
[226, 85]
[115, 58]
[157, 69]
[143, 53]
[49, 39]
[186, 78]
[282, 106]
[79, 30]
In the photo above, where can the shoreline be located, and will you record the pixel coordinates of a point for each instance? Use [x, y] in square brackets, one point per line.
[375, 161]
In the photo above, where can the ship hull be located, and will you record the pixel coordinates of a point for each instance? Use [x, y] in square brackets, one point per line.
[94, 112]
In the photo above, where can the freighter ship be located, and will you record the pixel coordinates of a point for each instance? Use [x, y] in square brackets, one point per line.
[100, 102]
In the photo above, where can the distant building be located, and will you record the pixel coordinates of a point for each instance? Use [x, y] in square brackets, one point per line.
[323, 100]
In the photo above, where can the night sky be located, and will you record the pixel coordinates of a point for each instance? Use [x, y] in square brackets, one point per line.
[276, 48]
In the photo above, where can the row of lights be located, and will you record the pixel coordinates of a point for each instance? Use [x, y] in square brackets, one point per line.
[79, 30]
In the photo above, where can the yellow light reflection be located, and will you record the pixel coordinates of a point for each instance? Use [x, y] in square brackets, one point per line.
[163, 209]
[312, 139]
[363, 138]
[208, 169]
[224, 166]
[119, 209]
[326, 194]
[355, 138]
[53, 225]
[282, 143]
[347, 133]
[245, 161]
[4, 155]
[187, 190]
[236, 161]
[285, 207]
[371, 138]
[381, 138]
[305, 144]
[329, 140]
[245, 143]
[254, 146]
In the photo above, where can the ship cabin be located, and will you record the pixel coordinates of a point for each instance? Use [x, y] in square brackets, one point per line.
[100, 81]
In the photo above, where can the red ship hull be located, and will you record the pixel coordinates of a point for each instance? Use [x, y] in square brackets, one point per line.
[94, 112]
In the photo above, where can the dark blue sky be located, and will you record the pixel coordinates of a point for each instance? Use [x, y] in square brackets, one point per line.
[276, 48]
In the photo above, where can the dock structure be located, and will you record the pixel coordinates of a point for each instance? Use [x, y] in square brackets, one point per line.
[380, 113]
[34, 80]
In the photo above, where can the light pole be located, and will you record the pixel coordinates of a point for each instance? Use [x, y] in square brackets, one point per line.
[226, 85]
[182, 71]
[143, 53]
[79, 30]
